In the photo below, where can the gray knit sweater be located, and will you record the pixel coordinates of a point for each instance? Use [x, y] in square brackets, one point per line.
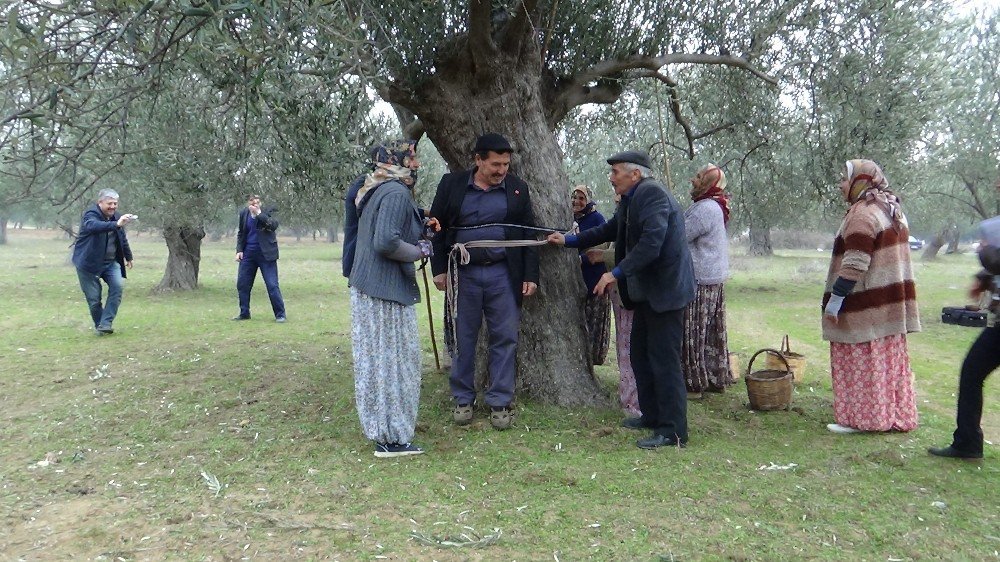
[706, 238]
[388, 230]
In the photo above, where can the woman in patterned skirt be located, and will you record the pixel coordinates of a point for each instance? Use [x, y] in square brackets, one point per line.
[385, 340]
[597, 307]
[869, 306]
[705, 350]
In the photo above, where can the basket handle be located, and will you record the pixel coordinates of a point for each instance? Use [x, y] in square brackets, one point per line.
[785, 347]
[788, 369]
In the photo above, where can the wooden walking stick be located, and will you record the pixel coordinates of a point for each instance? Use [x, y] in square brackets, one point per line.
[430, 317]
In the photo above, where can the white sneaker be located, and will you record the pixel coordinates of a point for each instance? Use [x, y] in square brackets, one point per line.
[837, 428]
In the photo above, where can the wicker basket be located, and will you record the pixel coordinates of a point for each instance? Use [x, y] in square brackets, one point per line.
[769, 389]
[795, 361]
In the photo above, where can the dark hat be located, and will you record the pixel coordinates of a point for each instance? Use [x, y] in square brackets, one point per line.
[637, 157]
[492, 142]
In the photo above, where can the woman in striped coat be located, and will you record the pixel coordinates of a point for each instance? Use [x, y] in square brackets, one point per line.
[869, 306]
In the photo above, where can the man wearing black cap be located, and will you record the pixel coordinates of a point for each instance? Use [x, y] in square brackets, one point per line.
[495, 279]
[655, 276]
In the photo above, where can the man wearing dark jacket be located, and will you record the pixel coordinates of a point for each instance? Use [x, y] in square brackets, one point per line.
[655, 275]
[101, 251]
[257, 248]
[494, 281]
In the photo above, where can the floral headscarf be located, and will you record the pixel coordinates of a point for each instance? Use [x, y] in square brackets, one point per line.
[588, 194]
[389, 159]
[710, 183]
[867, 182]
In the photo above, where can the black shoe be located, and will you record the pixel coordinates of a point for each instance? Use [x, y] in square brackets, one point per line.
[241, 317]
[105, 329]
[633, 423]
[388, 450]
[656, 440]
[953, 453]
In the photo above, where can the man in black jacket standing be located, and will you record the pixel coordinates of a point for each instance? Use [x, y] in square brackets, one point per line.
[257, 248]
[494, 281]
[655, 275]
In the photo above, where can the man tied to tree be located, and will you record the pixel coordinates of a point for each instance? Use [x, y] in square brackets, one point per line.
[257, 248]
[101, 251]
[494, 281]
[655, 278]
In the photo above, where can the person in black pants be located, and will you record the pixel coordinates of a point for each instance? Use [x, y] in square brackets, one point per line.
[983, 358]
[655, 276]
[257, 248]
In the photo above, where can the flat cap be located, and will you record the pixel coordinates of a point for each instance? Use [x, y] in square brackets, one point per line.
[637, 157]
[492, 142]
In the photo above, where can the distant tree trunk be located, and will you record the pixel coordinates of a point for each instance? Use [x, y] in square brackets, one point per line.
[331, 233]
[455, 106]
[3, 230]
[952, 236]
[760, 242]
[932, 248]
[183, 260]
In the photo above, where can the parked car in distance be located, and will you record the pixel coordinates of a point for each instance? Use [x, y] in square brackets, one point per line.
[916, 243]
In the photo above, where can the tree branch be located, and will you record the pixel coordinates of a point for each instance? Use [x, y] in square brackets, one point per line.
[481, 45]
[412, 128]
[761, 36]
[520, 27]
[618, 66]
[675, 109]
[576, 90]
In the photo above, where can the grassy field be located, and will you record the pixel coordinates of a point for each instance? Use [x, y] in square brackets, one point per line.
[185, 436]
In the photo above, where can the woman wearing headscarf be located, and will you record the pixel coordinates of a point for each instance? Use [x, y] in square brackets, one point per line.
[597, 307]
[628, 396]
[869, 306]
[705, 350]
[383, 284]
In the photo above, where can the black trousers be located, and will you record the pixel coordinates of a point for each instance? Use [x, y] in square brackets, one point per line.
[983, 358]
[656, 361]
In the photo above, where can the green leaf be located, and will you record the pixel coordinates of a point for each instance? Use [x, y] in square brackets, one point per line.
[197, 12]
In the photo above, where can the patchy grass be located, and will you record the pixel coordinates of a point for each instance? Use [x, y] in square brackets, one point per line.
[188, 436]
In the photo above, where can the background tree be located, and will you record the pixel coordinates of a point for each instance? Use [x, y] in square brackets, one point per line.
[962, 162]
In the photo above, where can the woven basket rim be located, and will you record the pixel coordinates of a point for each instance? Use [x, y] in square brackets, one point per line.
[780, 375]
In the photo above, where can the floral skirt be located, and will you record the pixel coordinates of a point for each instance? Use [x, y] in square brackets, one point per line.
[627, 393]
[598, 312]
[705, 350]
[873, 385]
[386, 347]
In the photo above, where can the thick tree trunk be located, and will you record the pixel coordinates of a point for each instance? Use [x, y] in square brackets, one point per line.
[455, 107]
[760, 242]
[3, 230]
[183, 260]
[932, 248]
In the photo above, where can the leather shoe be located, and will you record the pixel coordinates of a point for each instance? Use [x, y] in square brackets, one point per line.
[105, 329]
[953, 453]
[633, 423]
[657, 440]
[241, 317]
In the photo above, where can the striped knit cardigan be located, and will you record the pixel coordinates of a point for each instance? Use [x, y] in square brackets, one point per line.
[869, 249]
